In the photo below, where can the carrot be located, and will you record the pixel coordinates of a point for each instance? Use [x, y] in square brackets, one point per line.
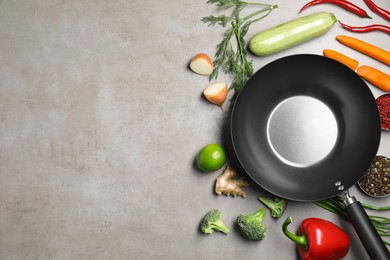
[347, 61]
[374, 76]
[365, 48]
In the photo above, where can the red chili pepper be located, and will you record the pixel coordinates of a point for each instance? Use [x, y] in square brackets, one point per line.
[342, 3]
[319, 239]
[369, 28]
[378, 10]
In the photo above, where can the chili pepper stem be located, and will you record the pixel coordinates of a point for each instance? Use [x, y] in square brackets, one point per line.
[300, 240]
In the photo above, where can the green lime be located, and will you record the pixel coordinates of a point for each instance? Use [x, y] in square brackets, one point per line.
[211, 158]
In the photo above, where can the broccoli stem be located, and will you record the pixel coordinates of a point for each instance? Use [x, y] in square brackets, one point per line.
[277, 206]
[260, 214]
[219, 225]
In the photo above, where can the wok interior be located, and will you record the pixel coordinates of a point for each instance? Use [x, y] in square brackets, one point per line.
[301, 131]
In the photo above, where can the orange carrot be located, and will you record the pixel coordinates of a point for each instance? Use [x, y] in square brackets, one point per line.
[365, 48]
[347, 61]
[374, 76]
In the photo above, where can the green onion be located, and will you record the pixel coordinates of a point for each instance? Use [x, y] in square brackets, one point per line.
[381, 224]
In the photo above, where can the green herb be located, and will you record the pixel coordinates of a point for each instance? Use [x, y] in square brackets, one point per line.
[228, 59]
[381, 224]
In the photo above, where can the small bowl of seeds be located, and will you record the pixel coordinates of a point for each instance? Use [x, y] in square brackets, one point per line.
[376, 181]
[383, 103]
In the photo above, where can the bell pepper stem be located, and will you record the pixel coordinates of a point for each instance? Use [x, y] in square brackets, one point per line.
[300, 240]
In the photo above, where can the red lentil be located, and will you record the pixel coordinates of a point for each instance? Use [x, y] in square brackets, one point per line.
[383, 103]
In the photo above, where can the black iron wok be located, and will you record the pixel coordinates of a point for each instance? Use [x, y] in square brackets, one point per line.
[306, 128]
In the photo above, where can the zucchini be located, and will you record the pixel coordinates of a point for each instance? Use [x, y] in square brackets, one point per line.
[291, 33]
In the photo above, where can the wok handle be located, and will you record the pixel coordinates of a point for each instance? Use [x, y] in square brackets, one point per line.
[367, 233]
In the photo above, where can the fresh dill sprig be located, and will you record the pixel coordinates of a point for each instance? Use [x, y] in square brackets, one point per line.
[213, 20]
[227, 59]
[242, 69]
[227, 4]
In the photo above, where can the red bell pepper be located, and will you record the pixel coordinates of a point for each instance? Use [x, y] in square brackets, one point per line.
[319, 239]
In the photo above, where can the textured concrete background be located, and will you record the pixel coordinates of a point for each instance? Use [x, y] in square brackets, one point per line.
[100, 123]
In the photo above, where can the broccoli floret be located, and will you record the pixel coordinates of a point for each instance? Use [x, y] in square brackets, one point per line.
[251, 226]
[277, 206]
[212, 222]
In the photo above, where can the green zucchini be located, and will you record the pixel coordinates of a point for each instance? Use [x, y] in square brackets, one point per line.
[291, 33]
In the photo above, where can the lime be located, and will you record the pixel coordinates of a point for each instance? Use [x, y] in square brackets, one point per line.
[211, 158]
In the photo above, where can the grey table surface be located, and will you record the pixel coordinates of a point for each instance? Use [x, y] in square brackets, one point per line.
[101, 121]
